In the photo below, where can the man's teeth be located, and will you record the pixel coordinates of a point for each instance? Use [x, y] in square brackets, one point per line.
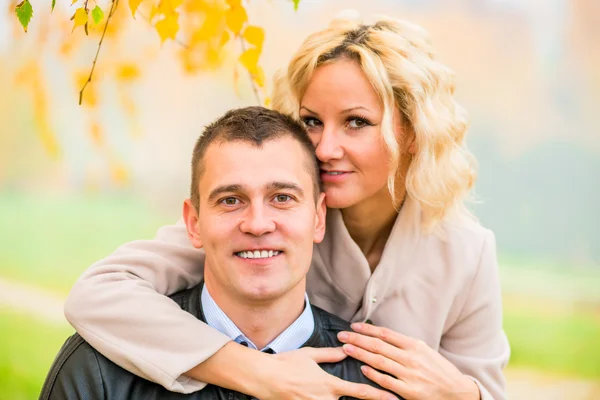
[258, 253]
[333, 173]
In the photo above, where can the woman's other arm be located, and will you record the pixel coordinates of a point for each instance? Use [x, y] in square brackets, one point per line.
[119, 306]
[476, 343]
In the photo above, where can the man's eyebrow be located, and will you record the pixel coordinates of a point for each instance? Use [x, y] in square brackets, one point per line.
[223, 189]
[281, 185]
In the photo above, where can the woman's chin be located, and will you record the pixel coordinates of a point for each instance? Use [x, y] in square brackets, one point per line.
[336, 200]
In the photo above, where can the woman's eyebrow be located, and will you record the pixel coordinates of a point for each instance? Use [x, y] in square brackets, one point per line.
[309, 110]
[349, 110]
[345, 111]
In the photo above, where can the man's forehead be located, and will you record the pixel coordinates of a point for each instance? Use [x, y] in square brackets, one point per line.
[250, 166]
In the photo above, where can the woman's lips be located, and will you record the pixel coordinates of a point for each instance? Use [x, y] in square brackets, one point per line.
[334, 176]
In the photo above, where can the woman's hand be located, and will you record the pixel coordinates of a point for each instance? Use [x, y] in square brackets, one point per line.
[415, 370]
[297, 375]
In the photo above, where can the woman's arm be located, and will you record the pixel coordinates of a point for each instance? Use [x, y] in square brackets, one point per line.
[118, 306]
[474, 349]
[476, 343]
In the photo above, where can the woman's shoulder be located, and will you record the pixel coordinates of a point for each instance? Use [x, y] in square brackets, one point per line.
[465, 240]
[465, 228]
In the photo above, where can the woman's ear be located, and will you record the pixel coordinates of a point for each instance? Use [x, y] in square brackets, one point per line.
[405, 134]
[412, 146]
[190, 217]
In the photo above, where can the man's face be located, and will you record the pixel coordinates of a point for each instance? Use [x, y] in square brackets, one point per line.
[257, 218]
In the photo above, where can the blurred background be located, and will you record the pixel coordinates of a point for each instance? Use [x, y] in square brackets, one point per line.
[78, 181]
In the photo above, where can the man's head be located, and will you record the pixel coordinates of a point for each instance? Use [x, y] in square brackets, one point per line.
[252, 125]
[256, 205]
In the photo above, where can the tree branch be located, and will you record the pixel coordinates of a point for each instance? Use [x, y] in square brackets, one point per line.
[113, 8]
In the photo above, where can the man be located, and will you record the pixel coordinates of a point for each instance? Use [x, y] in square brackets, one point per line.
[256, 208]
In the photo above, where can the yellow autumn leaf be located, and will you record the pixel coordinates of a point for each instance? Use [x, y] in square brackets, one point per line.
[189, 62]
[90, 98]
[40, 112]
[166, 7]
[127, 105]
[236, 81]
[267, 102]
[80, 18]
[133, 5]
[258, 76]
[210, 28]
[48, 139]
[66, 48]
[254, 35]
[213, 58]
[153, 12]
[176, 3]
[128, 72]
[168, 27]
[236, 17]
[118, 172]
[224, 39]
[96, 134]
[234, 3]
[249, 59]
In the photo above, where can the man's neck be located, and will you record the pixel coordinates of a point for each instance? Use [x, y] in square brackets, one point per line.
[260, 321]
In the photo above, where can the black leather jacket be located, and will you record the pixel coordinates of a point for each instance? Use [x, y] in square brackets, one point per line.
[80, 372]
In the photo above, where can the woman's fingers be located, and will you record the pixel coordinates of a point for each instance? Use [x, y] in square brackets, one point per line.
[360, 391]
[373, 345]
[386, 381]
[324, 354]
[387, 335]
[377, 361]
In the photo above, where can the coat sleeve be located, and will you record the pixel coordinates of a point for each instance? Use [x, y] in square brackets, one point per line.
[74, 374]
[119, 307]
[476, 343]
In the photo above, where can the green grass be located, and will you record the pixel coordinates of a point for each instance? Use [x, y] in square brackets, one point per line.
[49, 241]
[28, 348]
[559, 341]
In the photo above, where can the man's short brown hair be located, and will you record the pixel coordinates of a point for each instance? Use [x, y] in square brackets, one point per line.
[253, 125]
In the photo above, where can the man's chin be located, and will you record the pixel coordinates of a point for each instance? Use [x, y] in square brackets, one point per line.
[263, 293]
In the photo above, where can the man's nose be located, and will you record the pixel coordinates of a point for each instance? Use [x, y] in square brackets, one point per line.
[257, 220]
[328, 146]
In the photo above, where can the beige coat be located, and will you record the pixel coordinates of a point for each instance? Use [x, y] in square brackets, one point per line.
[445, 292]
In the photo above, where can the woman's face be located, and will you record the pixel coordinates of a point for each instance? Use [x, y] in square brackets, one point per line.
[343, 116]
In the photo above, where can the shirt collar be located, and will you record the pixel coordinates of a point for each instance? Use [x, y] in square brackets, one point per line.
[291, 338]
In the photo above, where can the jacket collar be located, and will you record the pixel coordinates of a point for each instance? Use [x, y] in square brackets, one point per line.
[192, 303]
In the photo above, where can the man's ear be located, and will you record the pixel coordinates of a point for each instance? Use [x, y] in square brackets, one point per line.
[320, 219]
[190, 217]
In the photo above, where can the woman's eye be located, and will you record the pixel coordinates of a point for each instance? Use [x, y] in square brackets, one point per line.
[311, 122]
[357, 123]
[282, 198]
[230, 201]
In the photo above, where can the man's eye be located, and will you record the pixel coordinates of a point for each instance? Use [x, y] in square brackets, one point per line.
[311, 122]
[282, 198]
[230, 201]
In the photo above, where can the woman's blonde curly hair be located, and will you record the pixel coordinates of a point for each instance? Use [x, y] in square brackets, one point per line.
[399, 61]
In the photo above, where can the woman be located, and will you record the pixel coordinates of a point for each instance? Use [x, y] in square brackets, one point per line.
[400, 252]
